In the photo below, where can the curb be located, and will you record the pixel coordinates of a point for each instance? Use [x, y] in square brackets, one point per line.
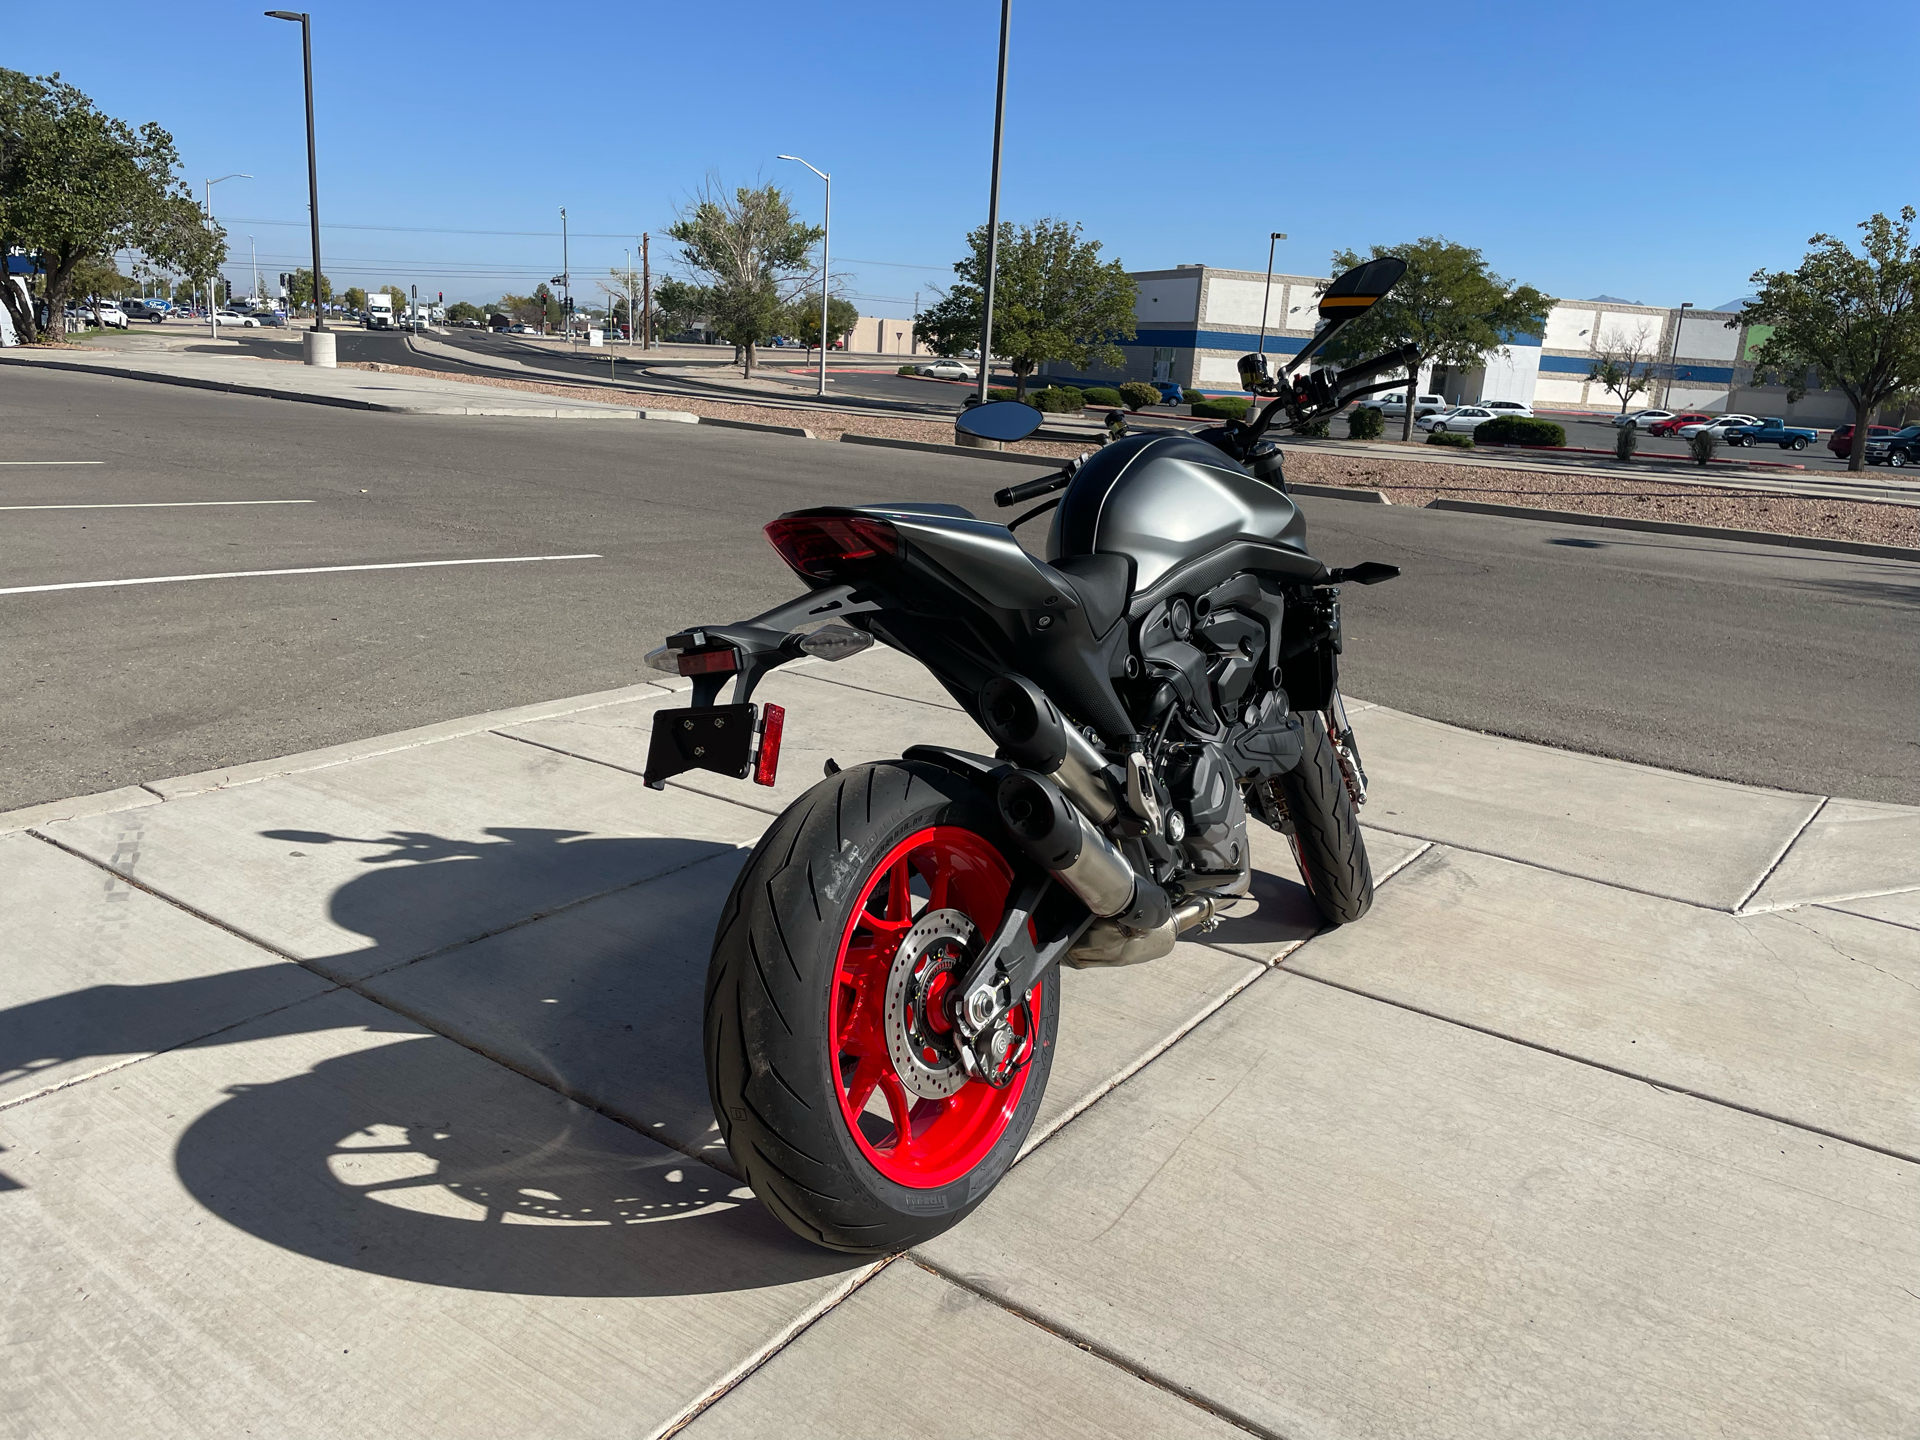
[1340, 492]
[1643, 459]
[804, 434]
[966, 452]
[1674, 527]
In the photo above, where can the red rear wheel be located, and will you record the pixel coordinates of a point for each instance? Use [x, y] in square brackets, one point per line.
[911, 1108]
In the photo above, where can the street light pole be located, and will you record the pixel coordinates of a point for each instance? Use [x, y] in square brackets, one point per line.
[826, 239]
[318, 352]
[213, 281]
[566, 275]
[646, 291]
[1272, 239]
[1673, 354]
[993, 203]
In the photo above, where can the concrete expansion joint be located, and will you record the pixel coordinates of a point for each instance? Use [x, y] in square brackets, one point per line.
[1739, 907]
[1093, 1347]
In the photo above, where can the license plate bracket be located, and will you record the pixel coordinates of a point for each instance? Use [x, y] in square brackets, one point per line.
[705, 737]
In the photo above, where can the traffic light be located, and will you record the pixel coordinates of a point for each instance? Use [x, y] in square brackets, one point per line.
[226, 288]
[440, 297]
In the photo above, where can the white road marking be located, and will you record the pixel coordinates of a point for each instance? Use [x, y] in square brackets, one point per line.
[308, 570]
[52, 462]
[158, 504]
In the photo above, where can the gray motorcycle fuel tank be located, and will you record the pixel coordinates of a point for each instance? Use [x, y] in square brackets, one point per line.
[1165, 500]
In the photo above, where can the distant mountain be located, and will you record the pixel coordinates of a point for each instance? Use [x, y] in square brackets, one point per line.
[1740, 304]
[1609, 300]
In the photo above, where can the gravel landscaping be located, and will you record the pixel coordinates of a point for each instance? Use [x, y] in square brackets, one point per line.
[1405, 482]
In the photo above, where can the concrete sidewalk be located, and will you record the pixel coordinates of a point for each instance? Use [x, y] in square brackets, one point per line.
[361, 1092]
[242, 374]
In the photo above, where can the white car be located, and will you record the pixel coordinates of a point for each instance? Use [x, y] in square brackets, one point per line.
[1718, 427]
[1397, 405]
[1506, 407]
[950, 370]
[111, 315]
[1641, 419]
[234, 317]
[1461, 418]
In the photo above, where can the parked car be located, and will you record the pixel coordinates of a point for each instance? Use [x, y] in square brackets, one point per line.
[1671, 425]
[949, 370]
[1461, 418]
[1505, 407]
[1397, 405]
[275, 319]
[1771, 430]
[154, 310]
[110, 315]
[1900, 449]
[1841, 442]
[1719, 425]
[236, 319]
[1641, 419]
[523, 329]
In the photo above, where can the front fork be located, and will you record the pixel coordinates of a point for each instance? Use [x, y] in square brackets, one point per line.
[1346, 750]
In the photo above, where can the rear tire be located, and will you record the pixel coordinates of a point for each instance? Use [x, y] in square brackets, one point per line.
[1327, 844]
[803, 1065]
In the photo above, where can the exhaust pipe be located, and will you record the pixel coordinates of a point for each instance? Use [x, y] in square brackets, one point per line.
[1031, 732]
[1134, 918]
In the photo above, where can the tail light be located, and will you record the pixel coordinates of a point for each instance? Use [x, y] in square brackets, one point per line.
[821, 547]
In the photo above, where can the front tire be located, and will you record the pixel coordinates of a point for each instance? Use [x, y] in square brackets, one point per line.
[1327, 844]
[828, 1061]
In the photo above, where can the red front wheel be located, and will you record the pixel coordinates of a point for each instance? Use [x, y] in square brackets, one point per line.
[833, 1064]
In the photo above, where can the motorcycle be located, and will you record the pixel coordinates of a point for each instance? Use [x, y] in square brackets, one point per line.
[883, 996]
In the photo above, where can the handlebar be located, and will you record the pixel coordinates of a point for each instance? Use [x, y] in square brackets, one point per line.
[1032, 490]
[1392, 360]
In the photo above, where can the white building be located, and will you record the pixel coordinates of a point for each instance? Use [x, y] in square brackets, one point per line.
[1194, 322]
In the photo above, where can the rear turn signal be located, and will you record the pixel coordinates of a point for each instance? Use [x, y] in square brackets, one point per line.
[820, 547]
[773, 719]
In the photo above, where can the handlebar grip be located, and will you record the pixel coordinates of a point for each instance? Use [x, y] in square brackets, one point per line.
[1392, 360]
[1032, 490]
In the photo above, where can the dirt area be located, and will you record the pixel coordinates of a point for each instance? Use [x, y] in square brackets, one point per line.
[1412, 482]
[1405, 482]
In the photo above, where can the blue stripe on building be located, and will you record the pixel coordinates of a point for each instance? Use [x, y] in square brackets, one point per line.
[1239, 341]
[1581, 365]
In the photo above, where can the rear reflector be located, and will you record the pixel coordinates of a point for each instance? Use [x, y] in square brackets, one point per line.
[773, 720]
[819, 547]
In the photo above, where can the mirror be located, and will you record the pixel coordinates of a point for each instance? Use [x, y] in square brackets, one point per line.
[998, 420]
[1351, 295]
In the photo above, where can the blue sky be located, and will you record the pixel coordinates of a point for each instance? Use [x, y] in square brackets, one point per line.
[1583, 151]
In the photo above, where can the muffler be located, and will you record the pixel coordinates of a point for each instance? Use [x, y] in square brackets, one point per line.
[1031, 732]
[1134, 918]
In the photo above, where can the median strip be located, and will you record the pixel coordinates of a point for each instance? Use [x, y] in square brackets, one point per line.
[304, 570]
[154, 504]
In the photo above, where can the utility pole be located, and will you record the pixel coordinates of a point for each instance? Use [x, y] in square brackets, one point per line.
[566, 274]
[646, 293]
[1273, 239]
[993, 203]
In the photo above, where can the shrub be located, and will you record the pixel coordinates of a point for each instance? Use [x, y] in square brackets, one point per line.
[1703, 443]
[908, 370]
[1626, 442]
[1454, 438]
[1000, 392]
[1104, 395]
[1136, 393]
[1221, 407]
[1192, 397]
[1058, 400]
[1520, 430]
[1365, 424]
[1315, 429]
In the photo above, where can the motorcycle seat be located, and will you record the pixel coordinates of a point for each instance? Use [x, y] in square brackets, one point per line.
[1102, 584]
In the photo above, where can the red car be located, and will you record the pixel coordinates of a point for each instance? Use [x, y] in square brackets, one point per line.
[1672, 423]
[1842, 442]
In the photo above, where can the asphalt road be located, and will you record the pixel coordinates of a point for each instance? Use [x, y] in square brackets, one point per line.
[1779, 667]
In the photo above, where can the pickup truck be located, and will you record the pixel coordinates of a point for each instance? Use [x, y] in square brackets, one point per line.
[1771, 431]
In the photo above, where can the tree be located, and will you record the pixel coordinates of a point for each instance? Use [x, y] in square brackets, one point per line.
[1624, 363]
[95, 279]
[462, 310]
[354, 298]
[679, 305]
[802, 320]
[1851, 319]
[1054, 299]
[78, 185]
[753, 255]
[1448, 306]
